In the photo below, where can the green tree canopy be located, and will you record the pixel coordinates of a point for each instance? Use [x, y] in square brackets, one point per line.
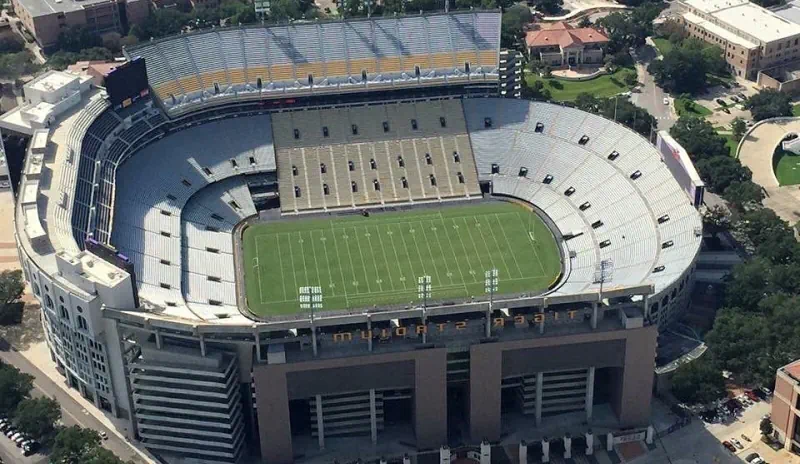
[738, 127]
[769, 103]
[76, 38]
[719, 172]
[684, 68]
[698, 382]
[15, 386]
[699, 138]
[37, 416]
[514, 19]
[73, 445]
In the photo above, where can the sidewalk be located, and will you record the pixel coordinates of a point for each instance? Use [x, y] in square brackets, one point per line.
[39, 355]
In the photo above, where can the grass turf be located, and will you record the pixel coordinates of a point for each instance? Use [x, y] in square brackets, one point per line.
[697, 109]
[601, 87]
[364, 261]
[796, 110]
[663, 45]
[787, 167]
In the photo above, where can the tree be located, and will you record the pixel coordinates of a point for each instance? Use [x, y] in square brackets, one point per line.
[101, 455]
[765, 426]
[535, 91]
[514, 20]
[769, 103]
[549, 7]
[744, 195]
[585, 22]
[698, 382]
[61, 59]
[11, 44]
[630, 79]
[672, 30]
[739, 127]
[37, 416]
[164, 22]
[11, 287]
[716, 219]
[73, 445]
[719, 172]
[699, 138]
[14, 65]
[76, 38]
[15, 386]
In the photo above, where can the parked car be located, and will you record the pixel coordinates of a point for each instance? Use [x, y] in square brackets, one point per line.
[729, 446]
[735, 99]
[744, 437]
[754, 458]
[742, 96]
[737, 443]
[104, 435]
[753, 397]
[666, 101]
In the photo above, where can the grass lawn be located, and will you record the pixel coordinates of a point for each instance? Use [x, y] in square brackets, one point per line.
[663, 45]
[697, 109]
[363, 261]
[731, 143]
[601, 87]
[787, 167]
[796, 110]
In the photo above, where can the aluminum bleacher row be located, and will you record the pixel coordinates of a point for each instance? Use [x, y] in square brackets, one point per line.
[334, 56]
[597, 181]
[176, 205]
[373, 155]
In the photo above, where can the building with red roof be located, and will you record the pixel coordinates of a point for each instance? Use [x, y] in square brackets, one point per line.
[560, 44]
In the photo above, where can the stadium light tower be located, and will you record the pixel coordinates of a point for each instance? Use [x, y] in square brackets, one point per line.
[311, 300]
[423, 293]
[490, 285]
[603, 273]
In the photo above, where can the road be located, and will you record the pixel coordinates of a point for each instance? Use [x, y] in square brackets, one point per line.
[651, 96]
[72, 412]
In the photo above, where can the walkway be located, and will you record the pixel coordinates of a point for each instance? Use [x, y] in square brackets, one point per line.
[755, 152]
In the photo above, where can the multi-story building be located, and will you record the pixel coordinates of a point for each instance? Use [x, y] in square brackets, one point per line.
[785, 414]
[560, 44]
[46, 19]
[751, 37]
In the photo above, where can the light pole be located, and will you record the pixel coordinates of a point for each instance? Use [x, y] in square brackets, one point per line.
[423, 293]
[603, 273]
[490, 285]
[311, 299]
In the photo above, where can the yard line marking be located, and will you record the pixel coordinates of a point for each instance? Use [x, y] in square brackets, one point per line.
[316, 263]
[533, 245]
[430, 253]
[294, 271]
[463, 249]
[374, 261]
[475, 249]
[364, 263]
[480, 231]
[419, 255]
[303, 256]
[280, 265]
[258, 275]
[452, 250]
[396, 257]
[386, 260]
[339, 256]
[433, 229]
[510, 249]
[412, 278]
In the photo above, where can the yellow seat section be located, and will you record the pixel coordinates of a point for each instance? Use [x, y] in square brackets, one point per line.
[190, 84]
[164, 90]
[388, 65]
[281, 72]
[304, 69]
[442, 60]
[488, 58]
[467, 57]
[358, 65]
[336, 68]
[210, 78]
[237, 76]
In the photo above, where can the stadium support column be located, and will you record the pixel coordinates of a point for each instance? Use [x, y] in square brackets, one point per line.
[158, 338]
[369, 331]
[257, 337]
[539, 393]
[320, 423]
[594, 315]
[373, 419]
[589, 393]
[485, 378]
[430, 398]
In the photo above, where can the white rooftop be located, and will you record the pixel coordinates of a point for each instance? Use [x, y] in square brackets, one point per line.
[52, 80]
[718, 31]
[749, 18]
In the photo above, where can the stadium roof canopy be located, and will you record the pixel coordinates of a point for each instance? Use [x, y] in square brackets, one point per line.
[257, 62]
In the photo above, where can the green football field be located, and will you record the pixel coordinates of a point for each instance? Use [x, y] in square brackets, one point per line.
[363, 261]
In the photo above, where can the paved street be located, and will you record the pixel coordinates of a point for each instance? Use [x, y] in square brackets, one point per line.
[651, 96]
[73, 413]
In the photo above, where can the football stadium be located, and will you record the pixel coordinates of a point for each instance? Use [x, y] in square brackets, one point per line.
[347, 240]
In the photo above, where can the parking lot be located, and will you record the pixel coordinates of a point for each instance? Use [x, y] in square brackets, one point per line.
[11, 453]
